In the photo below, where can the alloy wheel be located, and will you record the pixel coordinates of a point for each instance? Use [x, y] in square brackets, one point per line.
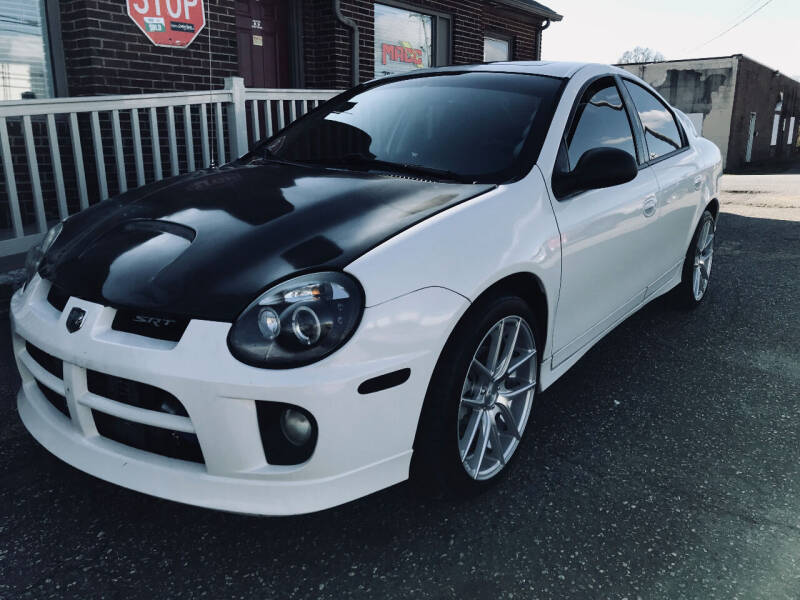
[496, 397]
[704, 254]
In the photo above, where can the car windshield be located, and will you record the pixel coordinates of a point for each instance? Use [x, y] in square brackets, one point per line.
[473, 126]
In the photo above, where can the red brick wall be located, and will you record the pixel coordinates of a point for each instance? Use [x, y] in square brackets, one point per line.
[106, 53]
[328, 45]
[758, 89]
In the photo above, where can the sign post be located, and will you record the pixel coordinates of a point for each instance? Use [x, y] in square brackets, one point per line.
[168, 23]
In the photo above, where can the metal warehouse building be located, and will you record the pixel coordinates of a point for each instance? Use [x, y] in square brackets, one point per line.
[749, 110]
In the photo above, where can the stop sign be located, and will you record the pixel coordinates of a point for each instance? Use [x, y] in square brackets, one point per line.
[171, 23]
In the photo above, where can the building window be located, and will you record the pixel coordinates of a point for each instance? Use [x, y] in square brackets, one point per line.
[496, 48]
[403, 40]
[24, 61]
[776, 122]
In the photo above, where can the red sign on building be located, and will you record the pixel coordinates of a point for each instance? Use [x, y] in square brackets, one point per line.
[402, 53]
[170, 23]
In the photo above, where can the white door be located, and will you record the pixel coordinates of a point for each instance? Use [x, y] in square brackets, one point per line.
[751, 134]
[607, 254]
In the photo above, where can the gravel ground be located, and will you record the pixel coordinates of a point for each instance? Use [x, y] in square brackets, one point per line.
[666, 464]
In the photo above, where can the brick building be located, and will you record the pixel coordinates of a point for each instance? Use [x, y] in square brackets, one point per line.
[91, 47]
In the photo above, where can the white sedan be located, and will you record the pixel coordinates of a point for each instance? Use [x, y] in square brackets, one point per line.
[377, 292]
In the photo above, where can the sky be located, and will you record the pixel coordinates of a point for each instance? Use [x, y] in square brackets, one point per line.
[601, 30]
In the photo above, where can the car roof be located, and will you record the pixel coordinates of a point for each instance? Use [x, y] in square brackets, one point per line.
[549, 68]
[538, 67]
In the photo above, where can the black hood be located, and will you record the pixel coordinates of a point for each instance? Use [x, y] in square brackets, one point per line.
[204, 245]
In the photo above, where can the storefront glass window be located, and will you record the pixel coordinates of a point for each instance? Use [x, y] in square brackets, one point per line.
[403, 40]
[495, 49]
[24, 66]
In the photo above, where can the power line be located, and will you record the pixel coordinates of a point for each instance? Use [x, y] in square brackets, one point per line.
[745, 9]
[734, 26]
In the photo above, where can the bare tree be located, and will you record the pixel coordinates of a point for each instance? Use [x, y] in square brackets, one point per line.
[640, 55]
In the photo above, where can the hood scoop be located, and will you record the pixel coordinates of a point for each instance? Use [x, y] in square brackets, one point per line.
[131, 257]
[143, 229]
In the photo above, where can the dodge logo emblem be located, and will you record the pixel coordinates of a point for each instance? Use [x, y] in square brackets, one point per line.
[75, 319]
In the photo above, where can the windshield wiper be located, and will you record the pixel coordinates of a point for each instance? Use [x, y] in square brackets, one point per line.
[385, 165]
[263, 155]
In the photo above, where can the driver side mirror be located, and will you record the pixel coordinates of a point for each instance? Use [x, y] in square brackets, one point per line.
[597, 168]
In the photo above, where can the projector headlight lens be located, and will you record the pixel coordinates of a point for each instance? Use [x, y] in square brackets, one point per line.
[298, 322]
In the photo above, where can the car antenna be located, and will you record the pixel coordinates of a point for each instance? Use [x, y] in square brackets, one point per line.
[213, 163]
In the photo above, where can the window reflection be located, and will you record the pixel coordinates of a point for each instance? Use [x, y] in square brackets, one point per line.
[24, 68]
[660, 130]
[600, 121]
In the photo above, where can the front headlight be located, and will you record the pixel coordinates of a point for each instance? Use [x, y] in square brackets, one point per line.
[298, 322]
[36, 254]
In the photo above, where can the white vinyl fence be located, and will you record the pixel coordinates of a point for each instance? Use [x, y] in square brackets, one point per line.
[59, 156]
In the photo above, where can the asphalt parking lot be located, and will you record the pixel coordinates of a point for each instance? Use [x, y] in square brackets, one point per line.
[666, 464]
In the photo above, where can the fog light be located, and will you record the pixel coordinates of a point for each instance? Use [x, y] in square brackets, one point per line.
[296, 427]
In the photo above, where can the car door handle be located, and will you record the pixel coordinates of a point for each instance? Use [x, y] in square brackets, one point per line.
[649, 208]
[698, 181]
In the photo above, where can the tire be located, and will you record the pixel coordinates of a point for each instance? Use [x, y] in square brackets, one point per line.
[696, 274]
[443, 449]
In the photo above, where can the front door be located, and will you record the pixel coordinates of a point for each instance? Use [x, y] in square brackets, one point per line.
[262, 32]
[607, 252]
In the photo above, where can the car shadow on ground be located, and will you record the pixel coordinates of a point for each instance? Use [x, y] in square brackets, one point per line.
[664, 464]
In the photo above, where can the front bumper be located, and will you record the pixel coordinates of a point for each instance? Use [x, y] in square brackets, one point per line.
[364, 442]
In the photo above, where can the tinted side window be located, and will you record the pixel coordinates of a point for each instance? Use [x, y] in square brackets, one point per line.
[600, 121]
[660, 130]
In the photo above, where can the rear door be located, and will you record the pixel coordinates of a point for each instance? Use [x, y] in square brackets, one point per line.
[607, 252]
[677, 168]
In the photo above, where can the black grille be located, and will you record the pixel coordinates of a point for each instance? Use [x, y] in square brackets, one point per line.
[54, 398]
[57, 297]
[49, 363]
[161, 327]
[134, 393]
[165, 442]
